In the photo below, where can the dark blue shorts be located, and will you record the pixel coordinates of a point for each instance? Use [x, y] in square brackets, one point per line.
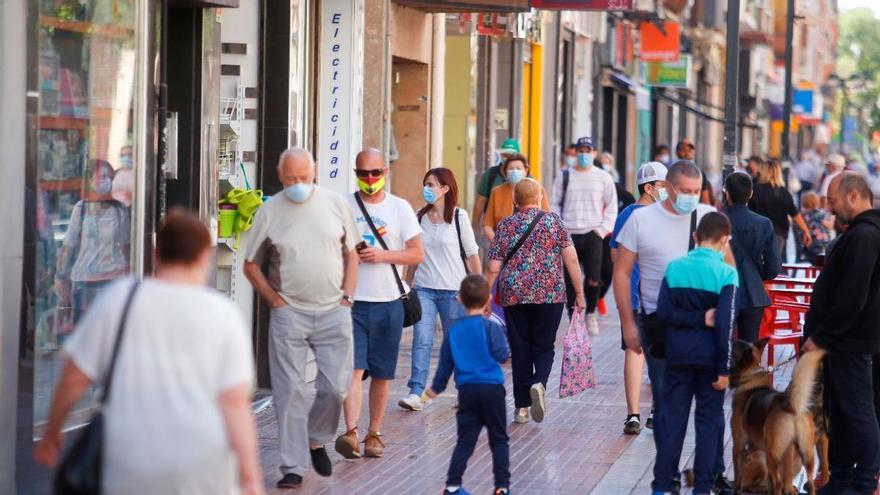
[378, 327]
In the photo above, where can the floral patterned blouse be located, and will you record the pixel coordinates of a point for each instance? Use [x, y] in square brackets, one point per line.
[821, 234]
[534, 274]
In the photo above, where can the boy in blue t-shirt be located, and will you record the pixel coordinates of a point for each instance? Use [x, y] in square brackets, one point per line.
[474, 347]
[697, 303]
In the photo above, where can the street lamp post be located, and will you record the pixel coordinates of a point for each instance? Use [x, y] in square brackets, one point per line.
[854, 81]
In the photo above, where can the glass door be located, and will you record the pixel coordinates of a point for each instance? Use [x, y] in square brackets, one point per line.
[85, 173]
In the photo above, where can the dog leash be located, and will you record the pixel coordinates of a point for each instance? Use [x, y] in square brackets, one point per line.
[773, 368]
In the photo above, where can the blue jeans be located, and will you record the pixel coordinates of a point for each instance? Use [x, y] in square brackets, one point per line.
[434, 302]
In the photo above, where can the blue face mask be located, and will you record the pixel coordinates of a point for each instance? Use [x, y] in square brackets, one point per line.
[662, 195]
[685, 204]
[515, 175]
[570, 161]
[104, 186]
[299, 192]
[585, 160]
[429, 195]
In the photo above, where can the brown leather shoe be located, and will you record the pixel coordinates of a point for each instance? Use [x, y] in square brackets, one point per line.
[348, 445]
[373, 445]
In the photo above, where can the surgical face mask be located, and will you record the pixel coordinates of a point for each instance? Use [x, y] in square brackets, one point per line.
[126, 161]
[104, 186]
[585, 160]
[515, 175]
[570, 161]
[685, 204]
[299, 192]
[372, 187]
[662, 195]
[429, 195]
[665, 159]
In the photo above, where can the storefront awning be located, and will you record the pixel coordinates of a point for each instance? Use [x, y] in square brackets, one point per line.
[501, 6]
[685, 105]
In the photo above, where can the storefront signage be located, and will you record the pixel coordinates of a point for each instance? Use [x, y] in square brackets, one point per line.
[339, 97]
[659, 45]
[669, 74]
[606, 5]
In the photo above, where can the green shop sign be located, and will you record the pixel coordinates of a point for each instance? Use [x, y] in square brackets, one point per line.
[669, 74]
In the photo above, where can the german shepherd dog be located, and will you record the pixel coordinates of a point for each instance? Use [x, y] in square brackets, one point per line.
[777, 426]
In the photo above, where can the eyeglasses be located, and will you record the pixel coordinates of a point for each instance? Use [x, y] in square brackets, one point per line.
[378, 172]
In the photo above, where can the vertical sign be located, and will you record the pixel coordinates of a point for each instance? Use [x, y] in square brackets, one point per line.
[339, 92]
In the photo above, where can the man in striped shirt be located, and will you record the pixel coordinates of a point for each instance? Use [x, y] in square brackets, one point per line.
[586, 199]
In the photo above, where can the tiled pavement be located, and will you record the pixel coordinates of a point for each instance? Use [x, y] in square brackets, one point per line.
[578, 449]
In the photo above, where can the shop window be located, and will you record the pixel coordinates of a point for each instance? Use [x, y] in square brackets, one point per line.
[84, 173]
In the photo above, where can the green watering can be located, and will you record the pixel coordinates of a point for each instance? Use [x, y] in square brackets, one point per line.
[247, 203]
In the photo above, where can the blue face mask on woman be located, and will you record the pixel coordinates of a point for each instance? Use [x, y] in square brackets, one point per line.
[429, 195]
[515, 175]
[685, 204]
[299, 192]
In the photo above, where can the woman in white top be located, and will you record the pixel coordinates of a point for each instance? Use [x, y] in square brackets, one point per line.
[451, 252]
[178, 418]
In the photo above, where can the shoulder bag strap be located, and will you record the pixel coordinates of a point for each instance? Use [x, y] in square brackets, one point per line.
[108, 381]
[460, 243]
[691, 241]
[565, 177]
[381, 241]
[525, 236]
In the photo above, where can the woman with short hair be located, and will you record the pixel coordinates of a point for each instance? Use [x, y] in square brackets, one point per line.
[501, 204]
[532, 292]
[177, 418]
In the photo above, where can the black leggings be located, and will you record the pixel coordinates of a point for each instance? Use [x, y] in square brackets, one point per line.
[589, 251]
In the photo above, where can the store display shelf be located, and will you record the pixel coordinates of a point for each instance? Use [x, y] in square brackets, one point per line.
[56, 185]
[103, 30]
[58, 122]
[226, 241]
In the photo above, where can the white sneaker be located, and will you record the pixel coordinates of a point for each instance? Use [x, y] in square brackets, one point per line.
[521, 415]
[593, 324]
[539, 408]
[411, 402]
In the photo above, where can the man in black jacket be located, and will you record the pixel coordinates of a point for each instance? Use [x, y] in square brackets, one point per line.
[844, 319]
[757, 257]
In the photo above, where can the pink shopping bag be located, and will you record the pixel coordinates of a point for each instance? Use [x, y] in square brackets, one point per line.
[577, 359]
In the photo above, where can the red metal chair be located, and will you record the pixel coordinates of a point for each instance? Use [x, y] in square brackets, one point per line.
[783, 330]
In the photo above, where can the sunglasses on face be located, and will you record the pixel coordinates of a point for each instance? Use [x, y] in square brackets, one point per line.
[379, 172]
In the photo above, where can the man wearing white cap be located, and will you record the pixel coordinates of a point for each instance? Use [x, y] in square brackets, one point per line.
[835, 165]
[651, 182]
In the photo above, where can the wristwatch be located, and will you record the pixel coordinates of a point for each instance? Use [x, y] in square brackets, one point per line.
[348, 298]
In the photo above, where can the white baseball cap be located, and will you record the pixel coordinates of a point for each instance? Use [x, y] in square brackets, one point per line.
[650, 172]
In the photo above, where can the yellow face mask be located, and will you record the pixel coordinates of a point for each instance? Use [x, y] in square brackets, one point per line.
[371, 189]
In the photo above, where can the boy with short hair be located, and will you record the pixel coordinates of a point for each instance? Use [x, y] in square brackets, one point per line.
[474, 347]
[697, 302]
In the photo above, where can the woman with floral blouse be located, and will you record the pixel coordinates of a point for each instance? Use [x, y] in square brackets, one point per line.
[532, 292]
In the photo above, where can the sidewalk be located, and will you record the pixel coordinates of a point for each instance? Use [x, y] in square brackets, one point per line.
[578, 449]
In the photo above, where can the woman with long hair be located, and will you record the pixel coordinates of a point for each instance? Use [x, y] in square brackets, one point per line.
[515, 169]
[772, 200]
[451, 252]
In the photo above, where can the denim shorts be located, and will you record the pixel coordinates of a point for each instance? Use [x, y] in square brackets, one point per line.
[378, 327]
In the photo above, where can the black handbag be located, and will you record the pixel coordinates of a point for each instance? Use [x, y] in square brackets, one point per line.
[80, 470]
[412, 307]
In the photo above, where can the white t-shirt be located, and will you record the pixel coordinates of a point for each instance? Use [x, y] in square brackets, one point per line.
[443, 268]
[657, 237]
[397, 223]
[181, 348]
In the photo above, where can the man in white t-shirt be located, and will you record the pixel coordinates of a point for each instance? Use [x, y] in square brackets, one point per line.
[378, 311]
[307, 237]
[654, 236]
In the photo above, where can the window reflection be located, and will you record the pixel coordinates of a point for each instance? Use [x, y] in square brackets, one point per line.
[85, 172]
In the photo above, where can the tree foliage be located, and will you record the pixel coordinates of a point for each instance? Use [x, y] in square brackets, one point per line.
[859, 53]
